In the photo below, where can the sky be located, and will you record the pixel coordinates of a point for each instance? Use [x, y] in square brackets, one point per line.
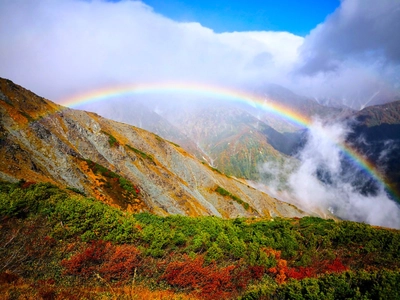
[348, 51]
[297, 17]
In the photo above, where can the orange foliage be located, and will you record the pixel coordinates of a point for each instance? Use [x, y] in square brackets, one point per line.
[281, 265]
[144, 293]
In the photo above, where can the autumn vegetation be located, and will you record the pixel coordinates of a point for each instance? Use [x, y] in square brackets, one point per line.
[59, 244]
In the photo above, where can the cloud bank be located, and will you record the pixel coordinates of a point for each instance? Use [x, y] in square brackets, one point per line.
[319, 182]
[59, 48]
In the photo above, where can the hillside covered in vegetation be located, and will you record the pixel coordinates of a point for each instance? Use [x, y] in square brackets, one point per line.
[58, 244]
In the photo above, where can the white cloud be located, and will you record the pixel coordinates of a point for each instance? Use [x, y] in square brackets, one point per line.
[354, 54]
[320, 183]
[64, 46]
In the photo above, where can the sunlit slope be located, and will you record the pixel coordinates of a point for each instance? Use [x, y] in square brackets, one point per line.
[116, 163]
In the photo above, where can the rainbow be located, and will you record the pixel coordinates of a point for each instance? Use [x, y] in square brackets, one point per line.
[225, 93]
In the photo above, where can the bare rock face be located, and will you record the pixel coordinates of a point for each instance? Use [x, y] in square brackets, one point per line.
[119, 164]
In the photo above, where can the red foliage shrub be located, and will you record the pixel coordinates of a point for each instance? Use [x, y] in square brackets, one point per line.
[257, 272]
[242, 275]
[336, 266]
[8, 277]
[105, 259]
[282, 272]
[47, 293]
[300, 273]
[315, 269]
[49, 241]
[120, 263]
[210, 281]
[27, 184]
[85, 263]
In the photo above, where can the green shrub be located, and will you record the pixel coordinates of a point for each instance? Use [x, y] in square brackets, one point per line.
[242, 243]
[141, 153]
[75, 190]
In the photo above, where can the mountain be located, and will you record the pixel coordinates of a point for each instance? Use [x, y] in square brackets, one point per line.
[384, 114]
[58, 241]
[234, 137]
[236, 142]
[360, 99]
[304, 106]
[226, 135]
[140, 114]
[376, 134]
[116, 163]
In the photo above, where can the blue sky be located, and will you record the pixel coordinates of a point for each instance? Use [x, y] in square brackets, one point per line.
[298, 17]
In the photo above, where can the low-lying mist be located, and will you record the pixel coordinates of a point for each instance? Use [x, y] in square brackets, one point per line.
[321, 180]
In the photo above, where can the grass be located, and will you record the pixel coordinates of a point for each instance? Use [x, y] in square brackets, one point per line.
[225, 193]
[111, 139]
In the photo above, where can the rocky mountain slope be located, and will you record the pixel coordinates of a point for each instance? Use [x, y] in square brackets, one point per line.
[116, 163]
[379, 115]
[235, 142]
